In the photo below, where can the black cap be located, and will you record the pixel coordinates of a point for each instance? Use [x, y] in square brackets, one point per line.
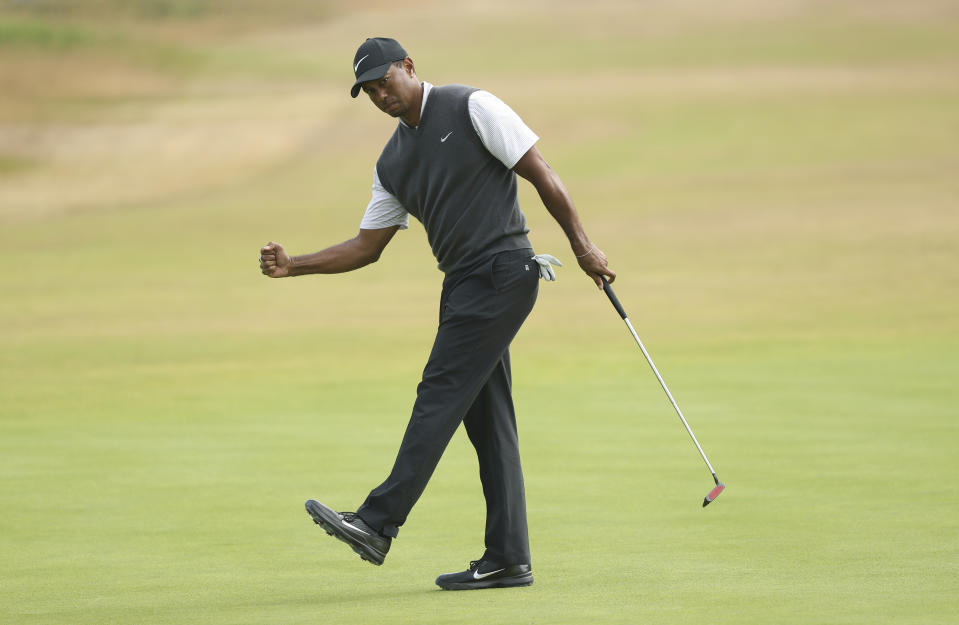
[373, 60]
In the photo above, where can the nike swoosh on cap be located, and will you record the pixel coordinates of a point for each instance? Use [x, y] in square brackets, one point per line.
[478, 575]
[357, 66]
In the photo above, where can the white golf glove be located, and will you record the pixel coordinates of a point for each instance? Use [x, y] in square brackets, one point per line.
[545, 271]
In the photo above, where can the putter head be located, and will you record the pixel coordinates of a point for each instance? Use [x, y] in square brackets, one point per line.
[720, 487]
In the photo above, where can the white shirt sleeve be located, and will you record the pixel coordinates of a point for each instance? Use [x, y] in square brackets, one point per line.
[384, 210]
[500, 129]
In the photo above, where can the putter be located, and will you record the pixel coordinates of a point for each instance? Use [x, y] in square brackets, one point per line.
[720, 487]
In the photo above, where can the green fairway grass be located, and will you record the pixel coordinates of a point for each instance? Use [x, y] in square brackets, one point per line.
[774, 183]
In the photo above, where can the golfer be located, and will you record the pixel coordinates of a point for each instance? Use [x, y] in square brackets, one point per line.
[452, 163]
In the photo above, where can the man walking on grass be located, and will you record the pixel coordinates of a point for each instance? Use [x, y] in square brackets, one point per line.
[452, 163]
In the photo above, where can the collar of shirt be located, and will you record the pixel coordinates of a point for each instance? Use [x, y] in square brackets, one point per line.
[426, 93]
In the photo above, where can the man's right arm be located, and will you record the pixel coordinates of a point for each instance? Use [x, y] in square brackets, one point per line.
[361, 250]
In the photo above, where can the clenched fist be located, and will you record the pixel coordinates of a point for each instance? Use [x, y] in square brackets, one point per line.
[274, 261]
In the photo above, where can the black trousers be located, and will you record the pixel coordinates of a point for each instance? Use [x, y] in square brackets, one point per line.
[467, 379]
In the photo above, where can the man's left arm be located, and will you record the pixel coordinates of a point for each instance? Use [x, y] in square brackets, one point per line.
[534, 168]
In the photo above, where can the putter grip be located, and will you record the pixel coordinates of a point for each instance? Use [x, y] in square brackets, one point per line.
[612, 297]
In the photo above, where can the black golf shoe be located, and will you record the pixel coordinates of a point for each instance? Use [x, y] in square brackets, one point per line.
[484, 574]
[352, 530]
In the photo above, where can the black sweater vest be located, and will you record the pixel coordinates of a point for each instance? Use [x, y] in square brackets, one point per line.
[445, 177]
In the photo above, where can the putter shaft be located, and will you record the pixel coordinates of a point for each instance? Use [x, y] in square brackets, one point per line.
[670, 396]
[622, 313]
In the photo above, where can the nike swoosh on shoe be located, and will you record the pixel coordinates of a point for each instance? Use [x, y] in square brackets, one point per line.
[478, 575]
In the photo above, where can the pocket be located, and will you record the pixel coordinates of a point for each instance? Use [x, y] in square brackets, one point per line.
[513, 269]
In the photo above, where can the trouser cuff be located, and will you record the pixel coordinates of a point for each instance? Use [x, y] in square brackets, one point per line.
[390, 531]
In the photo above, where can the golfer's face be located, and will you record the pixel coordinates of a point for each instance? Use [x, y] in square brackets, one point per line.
[389, 93]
